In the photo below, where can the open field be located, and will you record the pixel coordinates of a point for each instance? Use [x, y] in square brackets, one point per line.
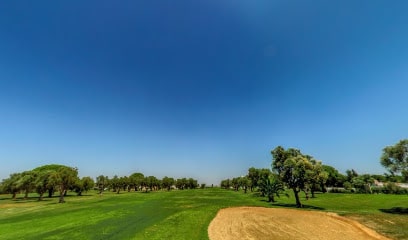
[176, 214]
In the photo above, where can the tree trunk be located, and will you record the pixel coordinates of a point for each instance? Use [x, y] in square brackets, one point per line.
[61, 197]
[14, 195]
[298, 203]
[26, 194]
[271, 198]
[324, 190]
[40, 198]
[50, 192]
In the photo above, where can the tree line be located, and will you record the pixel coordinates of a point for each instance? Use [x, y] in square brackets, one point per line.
[49, 179]
[298, 172]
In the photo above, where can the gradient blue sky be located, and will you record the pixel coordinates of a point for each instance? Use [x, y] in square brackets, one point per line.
[200, 88]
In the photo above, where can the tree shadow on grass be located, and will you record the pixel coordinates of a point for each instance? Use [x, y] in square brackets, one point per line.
[396, 210]
[30, 199]
[290, 205]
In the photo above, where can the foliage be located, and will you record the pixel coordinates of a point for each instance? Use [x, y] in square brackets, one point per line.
[10, 185]
[270, 187]
[136, 180]
[102, 182]
[167, 183]
[226, 183]
[255, 175]
[299, 172]
[334, 178]
[363, 183]
[395, 158]
[83, 185]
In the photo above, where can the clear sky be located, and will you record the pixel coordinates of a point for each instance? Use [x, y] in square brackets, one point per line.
[201, 89]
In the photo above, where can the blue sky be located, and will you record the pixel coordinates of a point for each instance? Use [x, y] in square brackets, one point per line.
[200, 88]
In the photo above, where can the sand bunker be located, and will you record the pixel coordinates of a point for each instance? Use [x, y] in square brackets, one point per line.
[282, 224]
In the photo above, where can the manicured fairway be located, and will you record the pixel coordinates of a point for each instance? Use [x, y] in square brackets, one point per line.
[174, 215]
[155, 215]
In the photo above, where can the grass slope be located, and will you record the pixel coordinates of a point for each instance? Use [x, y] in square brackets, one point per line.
[175, 215]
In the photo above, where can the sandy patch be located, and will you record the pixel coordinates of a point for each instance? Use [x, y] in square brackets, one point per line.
[284, 224]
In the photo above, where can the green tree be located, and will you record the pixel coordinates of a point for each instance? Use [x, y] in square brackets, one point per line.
[151, 183]
[363, 183]
[125, 181]
[10, 185]
[102, 182]
[42, 182]
[26, 182]
[316, 177]
[350, 174]
[256, 176]
[334, 177]
[52, 180]
[395, 158]
[226, 183]
[181, 183]
[65, 177]
[245, 183]
[270, 187]
[136, 180]
[116, 184]
[83, 185]
[235, 183]
[192, 183]
[293, 168]
[167, 182]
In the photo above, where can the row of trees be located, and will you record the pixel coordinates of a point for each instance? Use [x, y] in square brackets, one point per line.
[139, 182]
[49, 179]
[299, 172]
[291, 169]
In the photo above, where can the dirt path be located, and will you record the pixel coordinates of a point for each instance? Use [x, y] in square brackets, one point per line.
[278, 223]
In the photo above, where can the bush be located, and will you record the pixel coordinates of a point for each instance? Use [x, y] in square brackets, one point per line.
[393, 188]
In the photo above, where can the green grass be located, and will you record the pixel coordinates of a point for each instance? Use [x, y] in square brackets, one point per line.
[174, 215]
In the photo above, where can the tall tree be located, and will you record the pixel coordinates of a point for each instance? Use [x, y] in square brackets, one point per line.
[83, 185]
[334, 177]
[102, 182]
[226, 183]
[116, 184]
[271, 187]
[10, 185]
[26, 182]
[245, 183]
[42, 182]
[253, 175]
[363, 183]
[395, 158]
[316, 177]
[167, 182]
[293, 168]
[136, 180]
[65, 177]
[350, 174]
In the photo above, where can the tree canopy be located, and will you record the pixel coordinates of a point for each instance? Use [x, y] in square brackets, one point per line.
[395, 158]
[297, 171]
